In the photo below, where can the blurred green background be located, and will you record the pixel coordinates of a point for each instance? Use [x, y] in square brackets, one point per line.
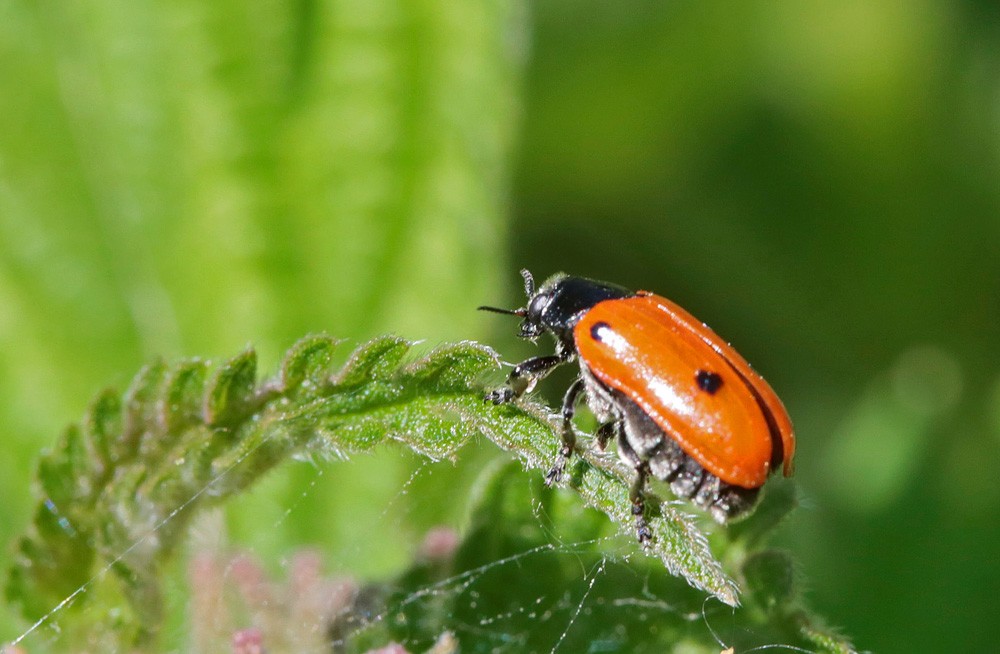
[818, 181]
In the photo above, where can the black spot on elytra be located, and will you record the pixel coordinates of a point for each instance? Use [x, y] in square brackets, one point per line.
[595, 330]
[708, 381]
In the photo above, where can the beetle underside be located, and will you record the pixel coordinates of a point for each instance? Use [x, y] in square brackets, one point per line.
[643, 445]
[687, 478]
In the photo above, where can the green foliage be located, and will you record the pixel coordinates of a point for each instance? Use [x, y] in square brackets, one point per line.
[536, 595]
[188, 177]
[121, 488]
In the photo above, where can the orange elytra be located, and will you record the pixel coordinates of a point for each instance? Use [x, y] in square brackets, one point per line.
[681, 403]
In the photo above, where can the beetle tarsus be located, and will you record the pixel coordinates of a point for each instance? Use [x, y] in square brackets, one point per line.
[555, 473]
[642, 530]
[502, 395]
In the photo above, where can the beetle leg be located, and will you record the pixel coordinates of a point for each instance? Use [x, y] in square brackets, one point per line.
[638, 498]
[636, 492]
[524, 376]
[568, 436]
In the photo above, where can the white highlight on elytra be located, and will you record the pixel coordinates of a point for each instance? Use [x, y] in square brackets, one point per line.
[667, 394]
[613, 339]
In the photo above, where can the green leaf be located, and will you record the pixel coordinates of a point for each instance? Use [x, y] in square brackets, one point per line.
[102, 424]
[372, 361]
[307, 363]
[54, 473]
[230, 392]
[139, 409]
[181, 403]
[135, 515]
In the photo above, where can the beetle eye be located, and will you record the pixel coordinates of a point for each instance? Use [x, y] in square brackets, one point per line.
[536, 306]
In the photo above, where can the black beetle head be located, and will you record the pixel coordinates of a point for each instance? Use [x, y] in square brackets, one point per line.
[532, 326]
[558, 305]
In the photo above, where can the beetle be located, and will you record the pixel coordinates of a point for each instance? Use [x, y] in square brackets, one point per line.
[680, 402]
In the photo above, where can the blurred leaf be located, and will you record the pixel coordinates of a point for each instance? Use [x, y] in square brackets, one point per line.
[229, 391]
[182, 401]
[308, 359]
[769, 579]
[190, 177]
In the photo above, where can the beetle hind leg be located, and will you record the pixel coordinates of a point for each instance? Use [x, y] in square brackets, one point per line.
[636, 493]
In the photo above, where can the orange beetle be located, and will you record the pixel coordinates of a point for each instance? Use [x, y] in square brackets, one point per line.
[681, 403]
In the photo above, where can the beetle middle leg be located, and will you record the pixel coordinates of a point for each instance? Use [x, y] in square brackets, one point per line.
[568, 436]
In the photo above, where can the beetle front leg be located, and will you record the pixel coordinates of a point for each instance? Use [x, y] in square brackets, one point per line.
[568, 437]
[523, 378]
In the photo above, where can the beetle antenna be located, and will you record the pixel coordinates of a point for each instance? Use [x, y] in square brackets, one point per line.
[529, 283]
[510, 312]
